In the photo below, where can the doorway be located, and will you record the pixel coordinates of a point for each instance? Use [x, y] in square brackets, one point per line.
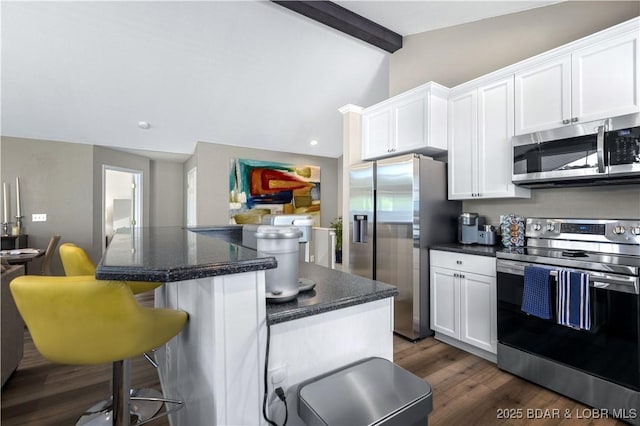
[121, 201]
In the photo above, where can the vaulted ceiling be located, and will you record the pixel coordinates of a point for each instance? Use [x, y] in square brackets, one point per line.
[242, 73]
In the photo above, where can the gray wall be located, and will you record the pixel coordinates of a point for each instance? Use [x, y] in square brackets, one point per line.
[610, 202]
[56, 179]
[213, 162]
[64, 180]
[454, 55]
[167, 186]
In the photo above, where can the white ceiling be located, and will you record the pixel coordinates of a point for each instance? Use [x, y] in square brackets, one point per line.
[250, 74]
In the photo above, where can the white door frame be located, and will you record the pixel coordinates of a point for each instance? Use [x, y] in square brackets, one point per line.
[137, 204]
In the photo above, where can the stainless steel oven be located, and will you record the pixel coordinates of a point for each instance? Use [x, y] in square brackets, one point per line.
[599, 366]
[605, 151]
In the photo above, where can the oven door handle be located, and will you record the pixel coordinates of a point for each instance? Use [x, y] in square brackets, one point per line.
[610, 282]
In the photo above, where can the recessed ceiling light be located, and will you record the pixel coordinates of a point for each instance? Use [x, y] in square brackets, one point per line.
[313, 142]
[144, 124]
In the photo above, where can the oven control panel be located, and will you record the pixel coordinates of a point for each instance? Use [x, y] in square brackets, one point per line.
[605, 230]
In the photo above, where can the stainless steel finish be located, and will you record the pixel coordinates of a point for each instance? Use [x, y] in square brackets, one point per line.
[574, 120]
[565, 121]
[370, 392]
[121, 385]
[581, 129]
[539, 235]
[469, 219]
[624, 169]
[612, 260]
[573, 383]
[601, 172]
[607, 281]
[361, 207]
[600, 149]
[412, 213]
[397, 254]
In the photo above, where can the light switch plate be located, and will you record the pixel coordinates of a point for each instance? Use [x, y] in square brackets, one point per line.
[39, 217]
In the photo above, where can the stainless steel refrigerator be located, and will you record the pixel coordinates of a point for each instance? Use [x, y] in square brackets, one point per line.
[398, 209]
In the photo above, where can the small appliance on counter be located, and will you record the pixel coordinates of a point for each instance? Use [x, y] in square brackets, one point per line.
[282, 243]
[283, 237]
[472, 230]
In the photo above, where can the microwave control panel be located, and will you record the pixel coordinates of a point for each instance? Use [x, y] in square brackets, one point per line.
[624, 146]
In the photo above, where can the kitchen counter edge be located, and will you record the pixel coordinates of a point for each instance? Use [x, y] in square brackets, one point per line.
[474, 249]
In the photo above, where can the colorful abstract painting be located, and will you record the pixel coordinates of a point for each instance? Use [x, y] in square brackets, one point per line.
[259, 187]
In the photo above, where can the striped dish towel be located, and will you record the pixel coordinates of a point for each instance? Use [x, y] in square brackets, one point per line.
[573, 305]
[536, 298]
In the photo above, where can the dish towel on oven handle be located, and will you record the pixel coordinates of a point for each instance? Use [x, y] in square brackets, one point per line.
[573, 305]
[536, 299]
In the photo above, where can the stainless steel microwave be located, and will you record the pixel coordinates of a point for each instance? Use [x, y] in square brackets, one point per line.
[594, 153]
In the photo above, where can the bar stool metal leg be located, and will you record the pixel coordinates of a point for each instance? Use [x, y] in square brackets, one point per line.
[121, 385]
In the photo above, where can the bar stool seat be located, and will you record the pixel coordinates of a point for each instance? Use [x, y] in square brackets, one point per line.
[82, 321]
[75, 261]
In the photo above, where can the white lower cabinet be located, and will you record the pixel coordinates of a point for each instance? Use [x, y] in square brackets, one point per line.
[463, 301]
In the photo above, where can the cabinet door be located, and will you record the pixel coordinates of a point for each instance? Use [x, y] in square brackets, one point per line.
[411, 129]
[445, 299]
[463, 141]
[478, 315]
[543, 96]
[377, 133]
[605, 79]
[495, 130]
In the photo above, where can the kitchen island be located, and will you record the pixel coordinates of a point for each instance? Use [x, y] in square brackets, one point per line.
[217, 363]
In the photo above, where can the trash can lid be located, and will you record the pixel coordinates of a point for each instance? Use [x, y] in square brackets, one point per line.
[363, 393]
[278, 232]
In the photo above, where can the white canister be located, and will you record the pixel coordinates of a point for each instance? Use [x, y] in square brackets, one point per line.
[281, 243]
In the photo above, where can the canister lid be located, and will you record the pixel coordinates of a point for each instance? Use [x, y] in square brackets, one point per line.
[277, 232]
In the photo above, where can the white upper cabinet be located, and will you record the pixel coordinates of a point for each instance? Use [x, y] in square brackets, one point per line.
[463, 145]
[543, 96]
[597, 81]
[605, 79]
[414, 121]
[480, 130]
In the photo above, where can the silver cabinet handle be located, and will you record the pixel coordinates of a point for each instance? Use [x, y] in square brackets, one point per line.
[574, 120]
[459, 262]
[566, 121]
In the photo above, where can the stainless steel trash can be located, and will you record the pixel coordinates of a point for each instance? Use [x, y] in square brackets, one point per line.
[373, 391]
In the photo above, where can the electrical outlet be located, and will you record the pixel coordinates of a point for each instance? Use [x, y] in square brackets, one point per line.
[278, 376]
[39, 217]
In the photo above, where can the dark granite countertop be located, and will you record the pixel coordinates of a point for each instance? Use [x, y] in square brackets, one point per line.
[334, 290]
[469, 249]
[166, 254]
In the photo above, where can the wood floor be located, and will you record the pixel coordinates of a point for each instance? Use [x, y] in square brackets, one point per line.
[467, 390]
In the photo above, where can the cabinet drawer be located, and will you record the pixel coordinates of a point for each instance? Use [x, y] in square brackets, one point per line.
[482, 265]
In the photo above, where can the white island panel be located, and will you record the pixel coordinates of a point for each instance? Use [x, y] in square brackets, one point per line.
[308, 347]
[215, 363]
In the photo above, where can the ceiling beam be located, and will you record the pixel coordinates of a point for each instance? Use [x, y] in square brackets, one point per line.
[336, 16]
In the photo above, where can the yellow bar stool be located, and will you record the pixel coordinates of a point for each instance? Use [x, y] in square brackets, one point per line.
[76, 262]
[82, 321]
